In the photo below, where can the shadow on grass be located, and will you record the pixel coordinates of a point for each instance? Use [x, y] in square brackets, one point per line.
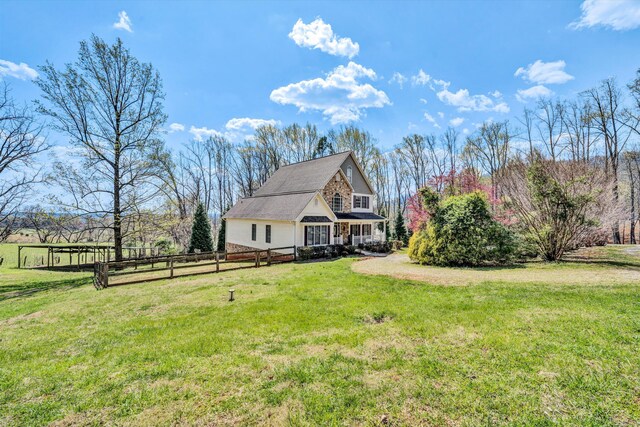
[603, 262]
[30, 288]
[514, 266]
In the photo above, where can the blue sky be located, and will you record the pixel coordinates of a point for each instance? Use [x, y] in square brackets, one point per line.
[393, 68]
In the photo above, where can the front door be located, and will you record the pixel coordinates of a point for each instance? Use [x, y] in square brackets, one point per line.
[354, 230]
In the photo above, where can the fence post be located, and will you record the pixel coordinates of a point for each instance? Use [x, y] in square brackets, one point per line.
[268, 257]
[105, 280]
[257, 259]
[295, 253]
[19, 250]
[217, 262]
[171, 269]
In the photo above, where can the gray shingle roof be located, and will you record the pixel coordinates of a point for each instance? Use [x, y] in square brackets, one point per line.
[311, 218]
[285, 207]
[311, 175]
[359, 215]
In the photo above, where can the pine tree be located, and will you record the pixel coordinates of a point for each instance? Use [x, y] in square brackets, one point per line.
[221, 235]
[400, 231]
[201, 232]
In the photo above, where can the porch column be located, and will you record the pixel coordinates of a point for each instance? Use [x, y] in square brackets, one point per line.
[384, 231]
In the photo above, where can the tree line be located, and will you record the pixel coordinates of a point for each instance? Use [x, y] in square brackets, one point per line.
[124, 182]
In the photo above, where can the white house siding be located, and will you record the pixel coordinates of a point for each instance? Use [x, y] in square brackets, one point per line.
[316, 207]
[238, 232]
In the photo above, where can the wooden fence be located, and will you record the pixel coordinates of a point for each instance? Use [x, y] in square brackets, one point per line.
[111, 273]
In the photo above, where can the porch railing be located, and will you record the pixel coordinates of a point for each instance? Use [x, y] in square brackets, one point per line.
[356, 240]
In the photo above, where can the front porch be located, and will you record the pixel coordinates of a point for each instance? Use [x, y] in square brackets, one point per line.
[350, 233]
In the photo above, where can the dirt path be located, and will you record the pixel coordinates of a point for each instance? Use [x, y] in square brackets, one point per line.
[400, 266]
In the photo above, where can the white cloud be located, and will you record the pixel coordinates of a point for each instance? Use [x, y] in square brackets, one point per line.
[465, 131]
[124, 23]
[534, 92]
[339, 96]
[201, 133]
[424, 101]
[466, 102]
[176, 127]
[616, 14]
[496, 94]
[420, 79]
[318, 35]
[238, 124]
[398, 78]
[457, 121]
[20, 71]
[544, 72]
[431, 120]
[441, 114]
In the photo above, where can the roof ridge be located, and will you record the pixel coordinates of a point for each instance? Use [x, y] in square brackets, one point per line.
[285, 193]
[317, 158]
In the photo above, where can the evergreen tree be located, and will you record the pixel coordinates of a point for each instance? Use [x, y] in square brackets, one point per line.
[400, 230]
[201, 232]
[221, 234]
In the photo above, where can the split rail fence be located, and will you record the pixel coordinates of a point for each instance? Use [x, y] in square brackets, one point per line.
[112, 273]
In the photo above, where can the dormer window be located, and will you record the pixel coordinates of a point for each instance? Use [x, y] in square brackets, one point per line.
[336, 203]
[350, 174]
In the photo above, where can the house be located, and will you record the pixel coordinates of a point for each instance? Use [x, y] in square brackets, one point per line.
[317, 202]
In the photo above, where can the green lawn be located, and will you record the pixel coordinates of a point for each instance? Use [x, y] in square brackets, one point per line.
[317, 344]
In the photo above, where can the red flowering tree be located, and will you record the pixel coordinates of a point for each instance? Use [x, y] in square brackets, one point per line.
[452, 184]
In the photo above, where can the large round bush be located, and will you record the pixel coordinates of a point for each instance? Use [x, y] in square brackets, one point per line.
[461, 231]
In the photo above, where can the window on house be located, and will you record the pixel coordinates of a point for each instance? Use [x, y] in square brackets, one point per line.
[350, 174]
[361, 202]
[254, 232]
[365, 202]
[336, 203]
[316, 235]
[366, 229]
[267, 234]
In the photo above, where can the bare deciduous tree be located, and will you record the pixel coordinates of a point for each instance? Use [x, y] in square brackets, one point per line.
[110, 106]
[608, 123]
[21, 141]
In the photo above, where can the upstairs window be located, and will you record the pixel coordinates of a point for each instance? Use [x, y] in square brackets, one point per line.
[365, 202]
[267, 234]
[254, 231]
[361, 202]
[336, 203]
[350, 174]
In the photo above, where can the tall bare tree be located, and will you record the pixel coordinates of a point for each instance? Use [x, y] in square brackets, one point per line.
[413, 152]
[109, 105]
[360, 141]
[21, 141]
[550, 126]
[608, 121]
[490, 146]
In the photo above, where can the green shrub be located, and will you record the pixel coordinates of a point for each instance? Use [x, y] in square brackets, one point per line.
[461, 232]
[166, 246]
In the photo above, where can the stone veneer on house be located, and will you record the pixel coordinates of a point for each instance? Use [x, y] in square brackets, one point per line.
[341, 187]
[234, 247]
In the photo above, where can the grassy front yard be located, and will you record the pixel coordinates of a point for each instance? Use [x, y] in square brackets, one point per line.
[318, 344]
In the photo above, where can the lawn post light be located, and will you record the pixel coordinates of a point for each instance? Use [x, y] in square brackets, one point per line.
[231, 291]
